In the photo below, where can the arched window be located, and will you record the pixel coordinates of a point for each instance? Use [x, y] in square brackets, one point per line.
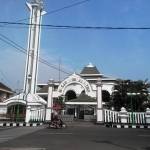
[83, 92]
[105, 96]
[70, 95]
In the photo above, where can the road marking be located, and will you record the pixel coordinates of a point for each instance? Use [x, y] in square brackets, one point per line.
[5, 138]
[23, 148]
[59, 133]
[4, 128]
[5, 135]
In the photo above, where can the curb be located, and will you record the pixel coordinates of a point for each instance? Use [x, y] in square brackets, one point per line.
[127, 126]
[19, 124]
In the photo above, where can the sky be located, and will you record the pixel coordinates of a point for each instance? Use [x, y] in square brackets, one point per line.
[116, 53]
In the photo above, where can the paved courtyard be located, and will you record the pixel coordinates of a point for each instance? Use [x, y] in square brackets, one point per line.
[74, 137]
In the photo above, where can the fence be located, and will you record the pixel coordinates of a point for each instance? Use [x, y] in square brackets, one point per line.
[136, 117]
[111, 116]
[37, 115]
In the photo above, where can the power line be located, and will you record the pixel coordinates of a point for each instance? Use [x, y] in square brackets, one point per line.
[78, 27]
[56, 10]
[23, 50]
[5, 41]
[68, 6]
[4, 76]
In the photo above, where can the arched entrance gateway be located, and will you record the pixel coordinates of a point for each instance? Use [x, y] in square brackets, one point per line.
[78, 97]
[82, 94]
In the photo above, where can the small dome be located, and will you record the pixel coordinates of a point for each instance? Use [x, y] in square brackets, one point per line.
[90, 65]
[90, 69]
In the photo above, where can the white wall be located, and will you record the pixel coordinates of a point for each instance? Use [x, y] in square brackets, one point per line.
[3, 109]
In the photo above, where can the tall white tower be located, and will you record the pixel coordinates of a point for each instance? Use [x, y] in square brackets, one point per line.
[29, 96]
[31, 71]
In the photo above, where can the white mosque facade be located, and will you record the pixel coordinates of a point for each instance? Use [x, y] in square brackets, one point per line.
[83, 94]
[79, 92]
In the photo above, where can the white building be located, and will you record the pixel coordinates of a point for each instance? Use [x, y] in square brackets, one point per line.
[82, 93]
[79, 92]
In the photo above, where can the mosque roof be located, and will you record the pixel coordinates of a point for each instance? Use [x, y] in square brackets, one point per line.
[44, 89]
[5, 88]
[83, 98]
[90, 69]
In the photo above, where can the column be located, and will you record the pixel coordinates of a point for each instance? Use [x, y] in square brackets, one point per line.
[63, 111]
[123, 115]
[147, 115]
[49, 101]
[99, 102]
[94, 111]
[75, 113]
[28, 114]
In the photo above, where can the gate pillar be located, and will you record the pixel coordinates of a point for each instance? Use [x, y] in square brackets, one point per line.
[28, 114]
[100, 117]
[49, 101]
[147, 116]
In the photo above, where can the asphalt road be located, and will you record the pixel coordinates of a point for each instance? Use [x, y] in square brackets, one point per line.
[84, 137]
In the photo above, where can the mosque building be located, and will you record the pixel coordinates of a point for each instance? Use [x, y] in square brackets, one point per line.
[79, 92]
[83, 94]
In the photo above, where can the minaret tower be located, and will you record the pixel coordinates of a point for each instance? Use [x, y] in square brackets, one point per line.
[31, 71]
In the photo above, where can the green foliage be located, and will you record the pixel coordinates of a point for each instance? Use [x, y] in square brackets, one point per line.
[130, 94]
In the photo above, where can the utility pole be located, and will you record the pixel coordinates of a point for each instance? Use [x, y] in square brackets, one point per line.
[31, 71]
[59, 69]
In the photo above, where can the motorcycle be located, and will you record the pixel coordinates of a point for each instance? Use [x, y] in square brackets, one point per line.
[57, 124]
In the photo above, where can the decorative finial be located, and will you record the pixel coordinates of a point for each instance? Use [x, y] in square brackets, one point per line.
[90, 65]
[51, 82]
[37, 1]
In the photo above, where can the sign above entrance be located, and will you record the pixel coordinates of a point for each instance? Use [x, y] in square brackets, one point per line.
[74, 79]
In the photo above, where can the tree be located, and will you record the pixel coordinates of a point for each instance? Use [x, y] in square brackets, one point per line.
[58, 104]
[130, 94]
